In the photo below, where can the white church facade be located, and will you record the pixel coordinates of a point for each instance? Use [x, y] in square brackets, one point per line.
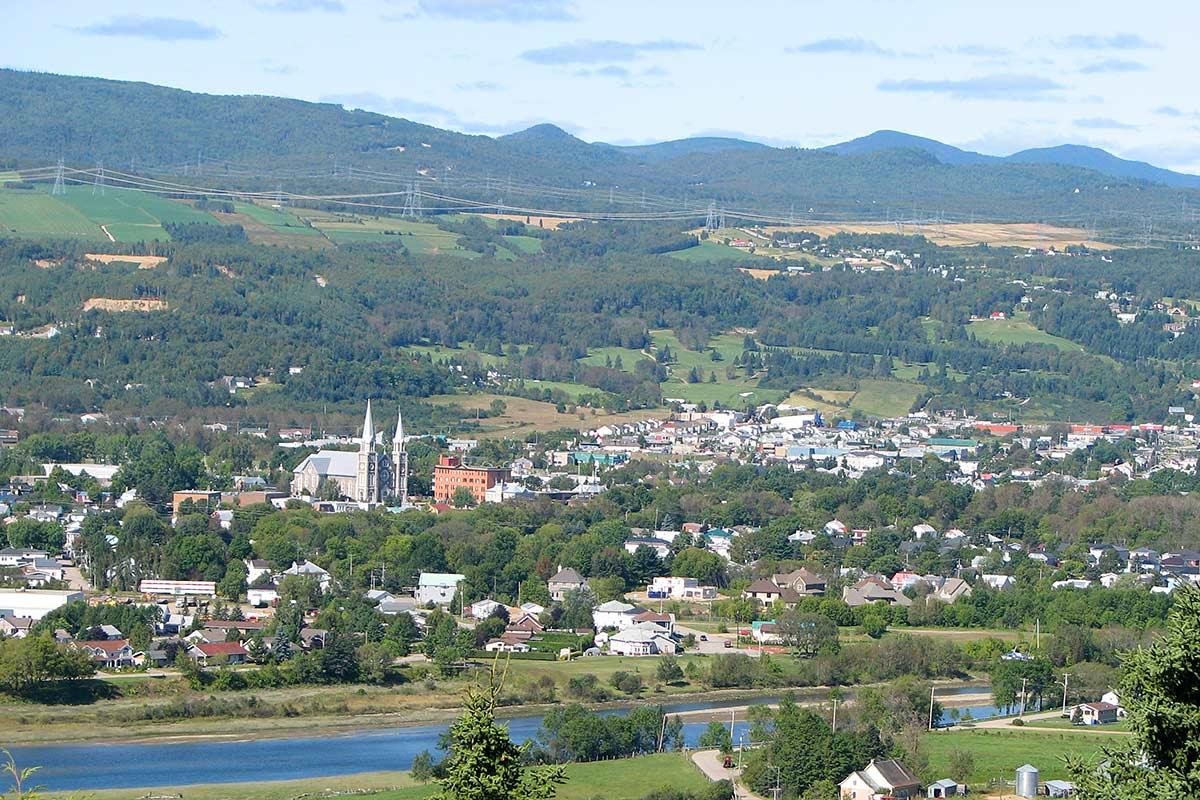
[367, 477]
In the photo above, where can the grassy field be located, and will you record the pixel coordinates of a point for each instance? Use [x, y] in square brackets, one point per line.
[998, 753]
[523, 416]
[39, 214]
[1063, 723]
[885, 398]
[735, 393]
[1016, 331]
[713, 251]
[421, 238]
[625, 779]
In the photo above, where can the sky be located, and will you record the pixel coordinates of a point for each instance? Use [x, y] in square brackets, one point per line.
[989, 76]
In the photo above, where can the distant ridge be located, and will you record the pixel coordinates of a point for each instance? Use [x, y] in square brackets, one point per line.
[1070, 155]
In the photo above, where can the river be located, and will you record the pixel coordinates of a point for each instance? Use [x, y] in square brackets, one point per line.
[74, 767]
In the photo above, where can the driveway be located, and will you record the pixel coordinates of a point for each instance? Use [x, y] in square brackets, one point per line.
[710, 762]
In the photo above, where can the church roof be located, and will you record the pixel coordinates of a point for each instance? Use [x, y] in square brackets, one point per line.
[331, 463]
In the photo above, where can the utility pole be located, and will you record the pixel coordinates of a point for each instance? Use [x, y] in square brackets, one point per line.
[931, 691]
[1023, 682]
[835, 705]
[1066, 682]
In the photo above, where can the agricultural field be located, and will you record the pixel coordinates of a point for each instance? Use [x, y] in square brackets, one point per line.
[120, 215]
[1017, 331]
[25, 213]
[712, 251]
[964, 234]
[885, 398]
[998, 753]
[420, 238]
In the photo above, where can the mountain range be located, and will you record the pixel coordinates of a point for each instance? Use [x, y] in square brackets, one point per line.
[1073, 155]
[256, 141]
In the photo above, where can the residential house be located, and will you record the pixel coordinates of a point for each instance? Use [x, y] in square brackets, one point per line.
[873, 589]
[767, 592]
[308, 569]
[801, 581]
[438, 587]
[951, 590]
[615, 614]
[643, 639]
[16, 627]
[109, 653]
[879, 779]
[208, 653]
[1098, 713]
[563, 581]
[999, 582]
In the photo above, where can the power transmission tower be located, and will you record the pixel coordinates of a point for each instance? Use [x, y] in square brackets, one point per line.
[59, 186]
[98, 184]
[710, 221]
[412, 201]
[721, 219]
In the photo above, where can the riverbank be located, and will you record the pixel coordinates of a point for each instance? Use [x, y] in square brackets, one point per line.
[333, 710]
[623, 779]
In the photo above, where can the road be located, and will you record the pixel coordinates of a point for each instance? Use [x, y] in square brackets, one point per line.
[710, 762]
[714, 643]
[1005, 723]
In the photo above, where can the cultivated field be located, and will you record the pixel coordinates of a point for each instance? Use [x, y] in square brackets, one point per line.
[549, 223]
[1016, 234]
[38, 214]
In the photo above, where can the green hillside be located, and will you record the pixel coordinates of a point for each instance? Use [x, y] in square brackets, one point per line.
[305, 146]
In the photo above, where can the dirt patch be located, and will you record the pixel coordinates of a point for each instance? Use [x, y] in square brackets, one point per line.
[549, 223]
[1016, 234]
[759, 274]
[522, 416]
[47, 263]
[143, 262]
[224, 270]
[110, 304]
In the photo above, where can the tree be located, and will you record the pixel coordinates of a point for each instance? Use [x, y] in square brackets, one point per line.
[703, 565]
[577, 609]
[233, 584]
[26, 532]
[484, 764]
[717, 735]
[339, 661]
[28, 663]
[668, 670]
[463, 498]
[1158, 689]
[962, 764]
[808, 634]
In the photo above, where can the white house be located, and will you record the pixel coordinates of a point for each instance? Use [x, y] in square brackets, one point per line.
[308, 569]
[438, 587]
[999, 582]
[879, 779]
[615, 614]
[644, 639]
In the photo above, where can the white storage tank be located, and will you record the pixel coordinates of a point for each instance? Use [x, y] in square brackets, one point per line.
[1027, 781]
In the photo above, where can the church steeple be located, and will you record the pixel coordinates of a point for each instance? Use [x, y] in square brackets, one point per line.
[366, 485]
[399, 463]
[367, 442]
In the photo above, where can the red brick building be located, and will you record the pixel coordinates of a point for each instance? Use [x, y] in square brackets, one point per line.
[450, 473]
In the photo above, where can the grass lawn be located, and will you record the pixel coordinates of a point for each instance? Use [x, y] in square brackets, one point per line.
[735, 393]
[440, 352]
[138, 232]
[523, 244]
[712, 251]
[603, 668]
[998, 753]
[599, 356]
[624, 779]
[1017, 331]
[885, 398]
[1063, 723]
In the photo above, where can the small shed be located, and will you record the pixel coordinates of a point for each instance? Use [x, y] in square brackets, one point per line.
[943, 788]
[1060, 789]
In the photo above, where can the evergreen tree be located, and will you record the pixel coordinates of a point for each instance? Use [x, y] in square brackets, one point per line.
[484, 764]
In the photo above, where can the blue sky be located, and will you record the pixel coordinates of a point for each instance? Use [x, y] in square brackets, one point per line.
[995, 77]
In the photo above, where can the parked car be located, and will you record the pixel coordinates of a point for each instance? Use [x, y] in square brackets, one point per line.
[728, 643]
[703, 638]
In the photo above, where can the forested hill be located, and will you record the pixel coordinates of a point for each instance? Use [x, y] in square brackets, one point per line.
[255, 142]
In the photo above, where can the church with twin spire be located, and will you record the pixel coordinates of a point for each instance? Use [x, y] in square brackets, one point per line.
[371, 476]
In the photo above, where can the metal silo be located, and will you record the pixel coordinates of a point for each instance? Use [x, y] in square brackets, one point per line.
[1027, 781]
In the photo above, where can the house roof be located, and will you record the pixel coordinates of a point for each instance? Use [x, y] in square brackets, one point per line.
[440, 579]
[109, 646]
[566, 575]
[1101, 706]
[211, 649]
[895, 773]
[615, 607]
[764, 586]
